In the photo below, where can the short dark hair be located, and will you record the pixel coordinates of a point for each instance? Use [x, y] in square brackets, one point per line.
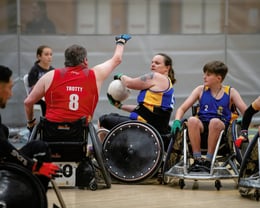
[216, 67]
[75, 55]
[6, 73]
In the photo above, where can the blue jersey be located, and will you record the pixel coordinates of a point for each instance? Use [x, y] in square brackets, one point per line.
[210, 107]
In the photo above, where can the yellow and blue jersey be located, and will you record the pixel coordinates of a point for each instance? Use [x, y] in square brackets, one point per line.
[210, 107]
[155, 107]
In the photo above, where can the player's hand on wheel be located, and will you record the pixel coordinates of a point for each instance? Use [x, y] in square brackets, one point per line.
[176, 126]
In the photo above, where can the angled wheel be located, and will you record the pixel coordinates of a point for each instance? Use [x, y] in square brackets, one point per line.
[172, 155]
[249, 172]
[133, 151]
[97, 146]
[19, 187]
[235, 129]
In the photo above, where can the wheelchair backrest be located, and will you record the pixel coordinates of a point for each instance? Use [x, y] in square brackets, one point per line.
[67, 140]
[63, 131]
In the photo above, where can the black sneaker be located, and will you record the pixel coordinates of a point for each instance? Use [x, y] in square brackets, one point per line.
[197, 165]
[206, 165]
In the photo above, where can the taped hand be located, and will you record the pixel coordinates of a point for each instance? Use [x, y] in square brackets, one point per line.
[122, 39]
[118, 76]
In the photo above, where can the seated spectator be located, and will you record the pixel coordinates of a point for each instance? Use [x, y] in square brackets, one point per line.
[40, 23]
[40, 67]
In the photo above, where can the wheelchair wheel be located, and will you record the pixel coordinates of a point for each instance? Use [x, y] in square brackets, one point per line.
[19, 187]
[172, 155]
[98, 154]
[102, 134]
[133, 151]
[235, 129]
[33, 134]
[249, 177]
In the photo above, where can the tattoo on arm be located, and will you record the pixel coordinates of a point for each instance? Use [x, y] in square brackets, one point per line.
[145, 77]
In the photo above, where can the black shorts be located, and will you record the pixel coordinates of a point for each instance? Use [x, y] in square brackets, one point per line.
[108, 121]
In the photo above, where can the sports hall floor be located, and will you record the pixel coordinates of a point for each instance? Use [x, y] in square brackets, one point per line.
[153, 195]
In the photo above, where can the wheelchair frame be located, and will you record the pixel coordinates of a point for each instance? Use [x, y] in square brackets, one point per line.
[87, 130]
[27, 177]
[220, 166]
[249, 183]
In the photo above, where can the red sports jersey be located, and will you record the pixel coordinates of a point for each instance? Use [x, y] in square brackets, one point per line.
[72, 94]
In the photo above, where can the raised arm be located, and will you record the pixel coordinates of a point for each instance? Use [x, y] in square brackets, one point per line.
[103, 70]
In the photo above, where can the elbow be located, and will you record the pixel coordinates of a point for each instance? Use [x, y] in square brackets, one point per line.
[27, 103]
[118, 60]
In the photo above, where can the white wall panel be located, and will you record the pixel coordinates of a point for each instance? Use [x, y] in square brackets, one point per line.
[189, 54]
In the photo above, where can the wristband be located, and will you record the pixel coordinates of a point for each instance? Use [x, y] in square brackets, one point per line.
[31, 121]
[120, 41]
[120, 106]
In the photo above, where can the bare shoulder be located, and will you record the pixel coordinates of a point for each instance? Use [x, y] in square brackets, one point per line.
[198, 90]
[233, 92]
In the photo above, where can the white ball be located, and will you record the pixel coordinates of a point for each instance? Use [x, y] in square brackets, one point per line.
[118, 91]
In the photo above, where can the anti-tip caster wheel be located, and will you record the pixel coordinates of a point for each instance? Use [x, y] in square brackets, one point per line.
[181, 183]
[218, 184]
[93, 186]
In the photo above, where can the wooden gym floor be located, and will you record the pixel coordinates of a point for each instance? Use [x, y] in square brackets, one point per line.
[154, 195]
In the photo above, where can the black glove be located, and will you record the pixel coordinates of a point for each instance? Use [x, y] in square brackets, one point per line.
[122, 39]
[114, 102]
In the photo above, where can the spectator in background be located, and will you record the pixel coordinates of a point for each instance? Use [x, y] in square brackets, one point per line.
[40, 67]
[40, 23]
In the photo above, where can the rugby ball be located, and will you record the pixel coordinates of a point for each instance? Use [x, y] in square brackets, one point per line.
[118, 91]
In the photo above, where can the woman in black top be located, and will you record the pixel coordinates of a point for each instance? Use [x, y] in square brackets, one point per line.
[40, 67]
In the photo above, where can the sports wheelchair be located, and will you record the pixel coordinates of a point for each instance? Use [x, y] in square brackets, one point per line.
[19, 187]
[225, 162]
[68, 144]
[249, 176]
[133, 151]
